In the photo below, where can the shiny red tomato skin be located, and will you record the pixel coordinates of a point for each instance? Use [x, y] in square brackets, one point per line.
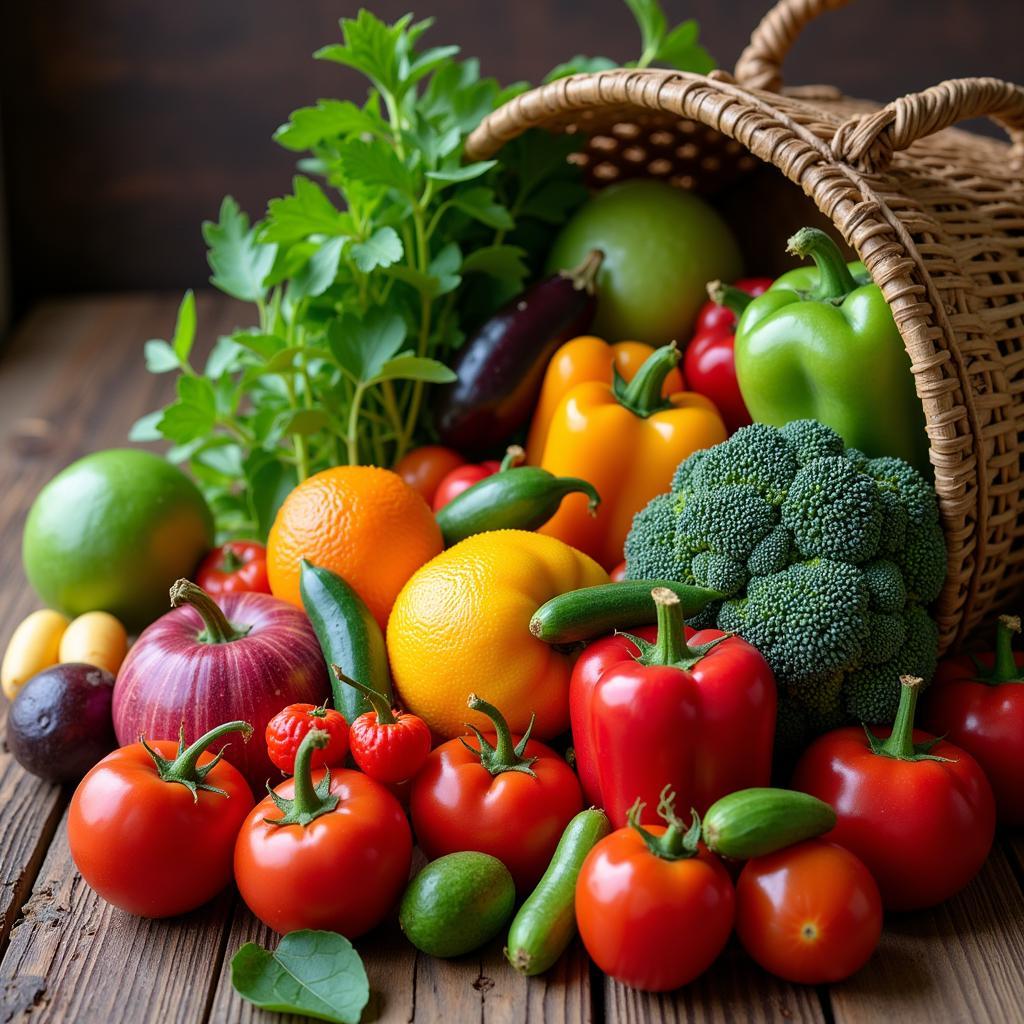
[922, 828]
[144, 844]
[810, 913]
[288, 728]
[461, 479]
[249, 575]
[456, 804]
[343, 872]
[424, 468]
[650, 923]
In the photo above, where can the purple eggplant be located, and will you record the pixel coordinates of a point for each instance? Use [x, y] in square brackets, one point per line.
[501, 367]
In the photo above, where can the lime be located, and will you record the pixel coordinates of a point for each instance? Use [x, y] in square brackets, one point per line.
[112, 532]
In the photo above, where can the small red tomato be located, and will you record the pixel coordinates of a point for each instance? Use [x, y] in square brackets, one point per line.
[461, 479]
[288, 728]
[917, 810]
[810, 913]
[325, 850]
[424, 468]
[234, 567]
[152, 827]
[389, 746]
[653, 905]
[509, 799]
[618, 574]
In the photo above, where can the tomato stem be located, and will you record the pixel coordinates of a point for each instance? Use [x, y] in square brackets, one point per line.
[184, 769]
[505, 755]
[381, 705]
[229, 560]
[679, 840]
[834, 278]
[308, 802]
[642, 395]
[900, 743]
[217, 629]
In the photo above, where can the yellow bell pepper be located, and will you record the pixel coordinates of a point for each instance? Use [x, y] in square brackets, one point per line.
[626, 440]
[583, 359]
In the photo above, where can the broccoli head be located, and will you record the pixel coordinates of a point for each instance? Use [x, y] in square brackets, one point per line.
[729, 520]
[811, 440]
[651, 552]
[886, 589]
[757, 456]
[719, 572]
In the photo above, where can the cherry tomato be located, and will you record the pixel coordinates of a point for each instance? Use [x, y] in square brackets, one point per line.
[424, 468]
[918, 811]
[234, 567]
[287, 729]
[461, 479]
[618, 574]
[653, 905]
[153, 830]
[810, 913]
[325, 853]
[511, 799]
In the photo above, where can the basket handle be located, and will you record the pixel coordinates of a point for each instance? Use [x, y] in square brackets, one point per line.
[868, 141]
[760, 64]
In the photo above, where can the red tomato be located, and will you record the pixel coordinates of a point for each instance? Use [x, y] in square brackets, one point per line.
[424, 468]
[618, 574]
[461, 479]
[654, 920]
[288, 728]
[917, 810]
[234, 567]
[155, 835]
[511, 803]
[328, 856]
[810, 913]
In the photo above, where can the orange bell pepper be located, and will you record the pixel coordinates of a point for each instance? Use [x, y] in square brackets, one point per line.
[626, 440]
[582, 359]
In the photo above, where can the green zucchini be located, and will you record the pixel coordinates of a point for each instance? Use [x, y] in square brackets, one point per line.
[593, 611]
[546, 922]
[514, 499]
[349, 637]
[753, 822]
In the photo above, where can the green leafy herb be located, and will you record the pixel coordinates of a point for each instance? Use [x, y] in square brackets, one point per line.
[366, 278]
[311, 973]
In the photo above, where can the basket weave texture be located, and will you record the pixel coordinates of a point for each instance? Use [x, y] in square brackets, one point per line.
[935, 213]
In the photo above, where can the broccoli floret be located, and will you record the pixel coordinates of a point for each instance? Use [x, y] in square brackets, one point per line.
[757, 456]
[685, 470]
[857, 459]
[811, 440]
[886, 634]
[771, 554]
[821, 696]
[919, 655]
[833, 511]
[706, 618]
[894, 523]
[923, 560]
[915, 493]
[651, 551]
[719, 572]
[729, 520]
[810, 619]
[886, 589]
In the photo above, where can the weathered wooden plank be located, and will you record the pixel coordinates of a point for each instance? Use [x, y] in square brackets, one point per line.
[734, 990]
[961, 963]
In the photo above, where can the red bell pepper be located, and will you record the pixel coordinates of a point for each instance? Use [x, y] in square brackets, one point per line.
[698, 718]
[709, 364]
[978, 704]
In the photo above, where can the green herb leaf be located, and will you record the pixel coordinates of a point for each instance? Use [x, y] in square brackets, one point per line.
[363, 346]
[410, 367]
[313, 973]
[681, 50]
[381, 249]
[146, 428]
[239, 262]
[651, 20]
[185, 327]
[504, 261]
[329, 119]
[307, 212]
[319, 272]
[193, 415]
[579, 65]
[465, 172]
[480, 204]
[376, 162]
[160, 357]
[223, 358]
[268, 482]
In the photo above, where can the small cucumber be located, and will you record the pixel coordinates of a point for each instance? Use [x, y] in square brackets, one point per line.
[349, 637]
[546, 922]
[457, 903]
[514, 499]
[753, 822]
[593, 611]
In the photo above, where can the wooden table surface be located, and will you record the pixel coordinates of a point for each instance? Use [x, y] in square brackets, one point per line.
[71, 381]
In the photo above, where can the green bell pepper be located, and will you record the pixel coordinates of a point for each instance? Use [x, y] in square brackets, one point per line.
[821, 343]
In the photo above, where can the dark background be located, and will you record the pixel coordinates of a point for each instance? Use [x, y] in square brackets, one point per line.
[125, 121]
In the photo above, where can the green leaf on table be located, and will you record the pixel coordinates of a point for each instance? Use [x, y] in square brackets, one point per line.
[239, 262]
[329, 119]
[185, 327]
[502, 261]
[480, 204]
[319, 273]
[410, 367]
[362, 345]
[306, 212]
[381, 249]
[160, 357]
[464, 172]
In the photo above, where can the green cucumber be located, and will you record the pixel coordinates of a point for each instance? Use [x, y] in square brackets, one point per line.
[349, 637]
[457, 903]
[514, 499]
[593, 611]
[546, 922]
[753, 822]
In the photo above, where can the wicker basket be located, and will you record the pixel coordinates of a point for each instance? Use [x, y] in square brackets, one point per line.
[935, 213]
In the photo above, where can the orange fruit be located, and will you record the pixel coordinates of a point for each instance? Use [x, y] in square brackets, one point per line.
[364, 523]
[461, 625]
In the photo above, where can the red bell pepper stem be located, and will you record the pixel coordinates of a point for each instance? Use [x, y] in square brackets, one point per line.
[506, 756]
[732, 298]
[184, 769]
[834, 277]
[900, 745]
[217, 629]
[642, 395]
[308, 802]
[678, 841]
[1004, 663]
[380, 703]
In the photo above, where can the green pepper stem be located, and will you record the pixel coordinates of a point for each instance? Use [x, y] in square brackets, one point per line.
[679, 840]
[834, 277]
[575, 485]
[642, 395]
[1004, 663]
[184, 768]
[732, 298]
[671, 647]
[505, 755]
[380, 703]
[900, 744]
[216, 627]
[514, 456]
[584, 277]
